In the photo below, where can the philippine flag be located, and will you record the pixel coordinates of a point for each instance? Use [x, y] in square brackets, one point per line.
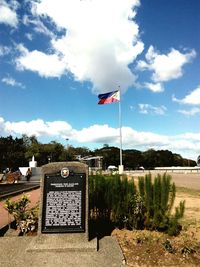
[109, 97]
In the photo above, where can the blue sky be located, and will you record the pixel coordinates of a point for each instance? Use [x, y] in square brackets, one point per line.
[57, 56]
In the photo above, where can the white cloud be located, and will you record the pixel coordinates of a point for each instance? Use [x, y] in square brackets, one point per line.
[154, 87]
[12, 82]
[4, 50]
[2, 127]
[45, 65]
[29, 36]
[149, 109]
[98, 46]
[8, 13]
[14, 4]
[143, 140]
[39, 128]
[37, 25]
[94, 134]
[186, 144]
[191, 136]
[191, 99]
[165, 67]
[191, 112]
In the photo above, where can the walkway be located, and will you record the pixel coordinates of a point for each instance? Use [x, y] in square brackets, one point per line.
[15, 251]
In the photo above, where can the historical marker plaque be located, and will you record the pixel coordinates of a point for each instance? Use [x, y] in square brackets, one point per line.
[64, 203]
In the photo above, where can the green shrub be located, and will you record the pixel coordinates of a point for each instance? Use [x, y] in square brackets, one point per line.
[110, 198]
[158, 198]
[149, 206]
[26, 218]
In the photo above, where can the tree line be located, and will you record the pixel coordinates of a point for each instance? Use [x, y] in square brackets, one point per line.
[17, 152]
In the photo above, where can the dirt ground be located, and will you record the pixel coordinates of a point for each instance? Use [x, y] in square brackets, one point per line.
[145, 248]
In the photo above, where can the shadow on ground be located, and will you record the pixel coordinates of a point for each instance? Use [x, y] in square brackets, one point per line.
[100, 228]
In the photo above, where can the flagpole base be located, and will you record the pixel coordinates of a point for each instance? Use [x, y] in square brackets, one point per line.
[121, 169]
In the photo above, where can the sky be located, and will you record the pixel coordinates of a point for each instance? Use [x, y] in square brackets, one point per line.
[56, 56]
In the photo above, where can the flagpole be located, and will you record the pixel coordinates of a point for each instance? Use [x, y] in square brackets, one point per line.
[121, 167]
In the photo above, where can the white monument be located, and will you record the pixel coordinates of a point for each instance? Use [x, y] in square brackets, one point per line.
[36, 171]
[33, 163]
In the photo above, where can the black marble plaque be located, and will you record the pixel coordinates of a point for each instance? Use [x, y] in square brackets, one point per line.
[64, 203]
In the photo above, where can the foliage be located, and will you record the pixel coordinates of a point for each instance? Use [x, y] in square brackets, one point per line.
[11, 152]
[26, 218]
[158, 200]
[135, 159]
[187, 250]
[168, 246]
[149, 206]
[110, 198]
[19, 151]
[44, 152]
[110, 155]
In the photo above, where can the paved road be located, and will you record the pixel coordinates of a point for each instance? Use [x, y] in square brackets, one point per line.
[188, 180]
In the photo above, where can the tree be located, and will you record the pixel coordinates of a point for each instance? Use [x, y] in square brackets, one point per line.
[28, 141]
[150, 159]
[19, 151]
[110, 156]
[11, 152]
[133, 159]
[164, 158]
[32, 148]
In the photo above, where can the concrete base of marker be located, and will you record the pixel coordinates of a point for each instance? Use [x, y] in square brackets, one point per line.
[121, 169]
[62, 243]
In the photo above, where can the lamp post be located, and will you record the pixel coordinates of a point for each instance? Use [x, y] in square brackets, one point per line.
[67, 147]
[67, 139]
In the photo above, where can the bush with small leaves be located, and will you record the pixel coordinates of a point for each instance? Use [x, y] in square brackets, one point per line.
[26, 218]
